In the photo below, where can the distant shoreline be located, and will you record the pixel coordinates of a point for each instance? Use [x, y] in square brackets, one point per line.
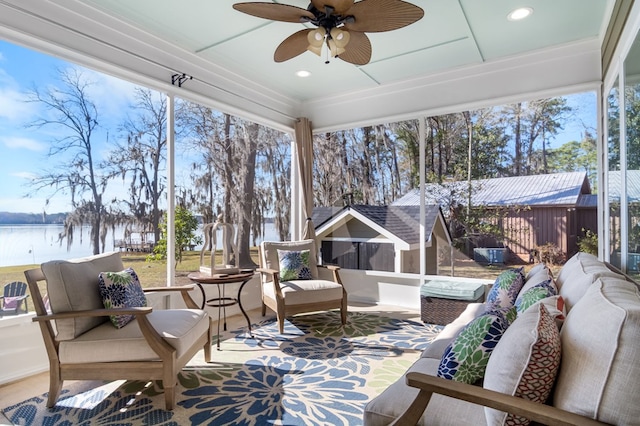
[8, 218]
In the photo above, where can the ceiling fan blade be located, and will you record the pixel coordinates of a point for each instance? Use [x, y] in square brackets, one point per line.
[339, 6]
[358, 50]
[373, 16]
[292, 46]
[274, 11]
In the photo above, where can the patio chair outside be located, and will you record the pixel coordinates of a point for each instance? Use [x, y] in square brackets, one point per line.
[14, 299]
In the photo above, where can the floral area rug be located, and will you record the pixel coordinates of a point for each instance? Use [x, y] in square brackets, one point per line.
[316, 373]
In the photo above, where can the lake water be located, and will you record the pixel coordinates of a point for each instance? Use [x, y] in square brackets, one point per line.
[35, 244]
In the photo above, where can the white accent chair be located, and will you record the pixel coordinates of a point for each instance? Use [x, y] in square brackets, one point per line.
[82, 344]
[324, 291]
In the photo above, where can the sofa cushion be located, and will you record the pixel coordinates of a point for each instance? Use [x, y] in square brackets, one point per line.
[465, 359]
[72, 285]
[441, 411]
[536, 269]
[577, 274]
[600, 373]
[542, 276]
[505, 289]
[438, 345]
[524, 363]
[294, 265]
[180, 328]
[121, 290]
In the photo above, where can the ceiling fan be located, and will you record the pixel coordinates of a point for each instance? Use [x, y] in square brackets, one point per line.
[341, 25]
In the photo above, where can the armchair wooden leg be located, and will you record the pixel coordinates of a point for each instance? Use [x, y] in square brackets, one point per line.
[169, 397]
[343, 311]
[264, 309]
[208, 343]
[55, 386]
[280, 322]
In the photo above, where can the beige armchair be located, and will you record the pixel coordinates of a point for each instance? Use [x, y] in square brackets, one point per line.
[320, 290]
[84, 345]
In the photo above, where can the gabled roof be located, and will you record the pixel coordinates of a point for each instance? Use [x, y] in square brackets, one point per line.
[400, 223]
[557, 189]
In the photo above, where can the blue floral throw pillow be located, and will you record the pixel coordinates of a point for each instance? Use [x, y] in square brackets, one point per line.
[505, 289]
[121, 290]
[294, 265]
[466, 357]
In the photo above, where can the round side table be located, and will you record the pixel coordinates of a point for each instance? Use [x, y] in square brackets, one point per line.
[221, 302]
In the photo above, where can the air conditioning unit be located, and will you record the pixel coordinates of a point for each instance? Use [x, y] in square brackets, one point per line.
[489, 255]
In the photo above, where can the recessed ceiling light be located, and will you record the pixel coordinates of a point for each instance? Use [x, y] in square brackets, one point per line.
[303, 73]
[520, 13]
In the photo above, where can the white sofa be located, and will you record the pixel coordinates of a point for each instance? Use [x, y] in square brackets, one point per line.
[599, 368]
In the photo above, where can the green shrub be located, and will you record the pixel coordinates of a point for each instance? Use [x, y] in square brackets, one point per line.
[588, 243]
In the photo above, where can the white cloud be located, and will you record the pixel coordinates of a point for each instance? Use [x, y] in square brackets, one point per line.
[25, 175]
[112, 95]
[12, 102]
[23, 143]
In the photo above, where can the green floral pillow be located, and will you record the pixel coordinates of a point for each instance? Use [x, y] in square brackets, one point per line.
[294, 265]
[121, 290]
[466, 357]
[505, 289]
[536, 293]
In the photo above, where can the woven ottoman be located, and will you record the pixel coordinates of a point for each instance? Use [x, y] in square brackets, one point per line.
[441, 302]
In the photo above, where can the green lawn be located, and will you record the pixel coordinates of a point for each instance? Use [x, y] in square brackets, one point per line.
[151, 274]
[154, 274]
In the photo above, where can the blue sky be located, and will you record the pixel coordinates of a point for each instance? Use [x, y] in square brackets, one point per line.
[23, 150]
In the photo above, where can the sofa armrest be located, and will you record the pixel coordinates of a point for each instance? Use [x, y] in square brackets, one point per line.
[537, 412]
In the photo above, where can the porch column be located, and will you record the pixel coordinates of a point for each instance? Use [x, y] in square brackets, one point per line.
[171, 192]
[422, 161]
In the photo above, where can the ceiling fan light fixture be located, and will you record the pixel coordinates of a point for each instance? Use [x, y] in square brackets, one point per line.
[316, 40]
[339, 23]
[520, 13]
[337, 41]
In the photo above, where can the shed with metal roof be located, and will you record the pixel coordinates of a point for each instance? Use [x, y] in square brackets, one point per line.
[542, 209]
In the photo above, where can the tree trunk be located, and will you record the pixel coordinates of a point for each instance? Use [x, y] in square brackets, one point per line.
[246, 198]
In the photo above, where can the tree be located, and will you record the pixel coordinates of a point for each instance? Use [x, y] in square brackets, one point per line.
[142, 157]
[576, 156]
[245, 183]
[72, 113]
[186, 225]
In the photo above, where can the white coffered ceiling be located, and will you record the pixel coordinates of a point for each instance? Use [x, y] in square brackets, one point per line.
[230, 54]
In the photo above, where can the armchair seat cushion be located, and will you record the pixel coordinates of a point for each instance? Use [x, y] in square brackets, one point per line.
[297, 292]
[181, 328]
